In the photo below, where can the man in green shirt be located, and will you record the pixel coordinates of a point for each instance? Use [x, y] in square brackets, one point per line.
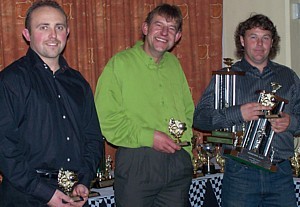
[139, 91]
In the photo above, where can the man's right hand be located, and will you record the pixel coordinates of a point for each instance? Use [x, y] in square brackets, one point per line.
[252, 111]
[163, 143]
[58, 198]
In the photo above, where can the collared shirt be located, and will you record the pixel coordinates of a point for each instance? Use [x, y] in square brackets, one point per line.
[136, 96]
[47, 121]
[207, 118]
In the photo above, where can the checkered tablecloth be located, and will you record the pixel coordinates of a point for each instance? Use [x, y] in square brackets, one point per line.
[198, 188]
[197, 192]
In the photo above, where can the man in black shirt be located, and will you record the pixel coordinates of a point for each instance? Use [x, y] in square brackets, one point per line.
[48, 119]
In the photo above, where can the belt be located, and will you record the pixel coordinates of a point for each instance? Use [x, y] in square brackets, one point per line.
[277, 162]
[51, 174]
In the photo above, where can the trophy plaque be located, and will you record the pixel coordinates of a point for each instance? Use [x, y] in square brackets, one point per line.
[176, 128]
[256, 147]
[225, 96]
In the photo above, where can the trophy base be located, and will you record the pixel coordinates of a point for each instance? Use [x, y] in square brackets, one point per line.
[105, 183]
[220, 140]
[79, 198]
[270, 116]
[208, 169]
[183, 144]
[250, 158]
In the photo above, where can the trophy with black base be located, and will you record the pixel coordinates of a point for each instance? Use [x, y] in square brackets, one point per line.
[225, 96]
[176, 128]
[66, 180]
[256, 147]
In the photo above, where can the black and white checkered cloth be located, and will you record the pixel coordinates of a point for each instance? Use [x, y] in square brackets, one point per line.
[198, 189]
[216, 184]
[197, 192]
[297, 191]
[103, 202]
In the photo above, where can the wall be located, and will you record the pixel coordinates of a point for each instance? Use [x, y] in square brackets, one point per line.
[279, 11]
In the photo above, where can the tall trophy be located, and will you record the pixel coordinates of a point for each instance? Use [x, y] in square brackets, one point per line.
[256, 147]
[176, 129]
[225, 96]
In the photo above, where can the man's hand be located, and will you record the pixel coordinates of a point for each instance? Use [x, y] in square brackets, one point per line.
[58, 198]
[252, 111]
[81, 191]
[280, 124]
[163, 143]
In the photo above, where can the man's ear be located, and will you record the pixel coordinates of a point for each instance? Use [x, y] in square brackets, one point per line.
[26, 34]
[242, 41]
[178, 36]
[145, 28]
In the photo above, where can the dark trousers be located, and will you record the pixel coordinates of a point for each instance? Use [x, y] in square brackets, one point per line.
[148, 178]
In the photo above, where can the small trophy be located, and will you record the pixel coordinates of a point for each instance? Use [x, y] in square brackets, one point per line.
[208, 150]
[66, 180]
[176, 128]
[225, 92]
[256, 147]
[105, 178]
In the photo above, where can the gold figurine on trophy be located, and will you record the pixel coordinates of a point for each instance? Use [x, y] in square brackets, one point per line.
[66, 180]
[176, 128]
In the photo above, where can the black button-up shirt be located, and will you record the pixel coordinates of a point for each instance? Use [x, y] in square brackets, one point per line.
[47, 121]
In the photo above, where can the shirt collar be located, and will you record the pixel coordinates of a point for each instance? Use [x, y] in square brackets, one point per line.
[37, 62]
[149, 61]
[246, 66]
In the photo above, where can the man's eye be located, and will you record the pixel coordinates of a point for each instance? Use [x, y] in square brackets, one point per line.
[60, 27]
[43, 28]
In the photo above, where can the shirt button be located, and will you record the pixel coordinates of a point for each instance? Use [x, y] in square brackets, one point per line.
[68, 159]
[64, 117]
[68, 138]
[58, 96]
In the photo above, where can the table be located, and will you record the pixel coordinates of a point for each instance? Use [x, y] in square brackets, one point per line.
[204, 192]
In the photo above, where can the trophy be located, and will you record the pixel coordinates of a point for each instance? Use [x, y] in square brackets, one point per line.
[105, 178]
[225, 86]
[256, 147]
[66, 180]
[176, 128]
[208, 150]
[295, 160]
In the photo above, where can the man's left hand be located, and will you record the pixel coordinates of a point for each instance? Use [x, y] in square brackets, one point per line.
[83, 192]
[280, 124]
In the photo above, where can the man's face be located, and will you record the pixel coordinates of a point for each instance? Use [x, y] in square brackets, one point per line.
[48, 33]
[257, 43]
[160, 36]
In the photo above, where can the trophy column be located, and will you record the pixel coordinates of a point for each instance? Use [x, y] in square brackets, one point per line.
[225, 96]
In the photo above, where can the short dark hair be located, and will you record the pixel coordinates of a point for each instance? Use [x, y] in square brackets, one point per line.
[170, 12]
[256, 21]
[38, 4]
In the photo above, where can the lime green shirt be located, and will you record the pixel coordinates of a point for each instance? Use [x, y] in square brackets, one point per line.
[136, 96]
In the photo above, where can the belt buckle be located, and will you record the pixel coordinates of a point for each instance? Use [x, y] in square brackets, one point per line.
[66, 180]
